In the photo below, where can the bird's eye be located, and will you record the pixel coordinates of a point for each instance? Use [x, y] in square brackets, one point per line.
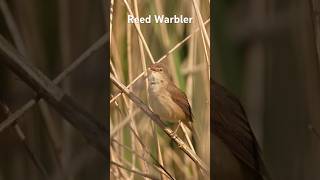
[160, 69]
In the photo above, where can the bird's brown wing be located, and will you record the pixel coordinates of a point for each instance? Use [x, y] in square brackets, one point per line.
[231, 125]
[180, 98]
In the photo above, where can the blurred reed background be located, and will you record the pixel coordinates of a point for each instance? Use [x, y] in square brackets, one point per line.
[53, 34]
[134, 137]
[267, 53]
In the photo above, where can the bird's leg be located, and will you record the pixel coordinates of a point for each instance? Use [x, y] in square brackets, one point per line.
[175, 131]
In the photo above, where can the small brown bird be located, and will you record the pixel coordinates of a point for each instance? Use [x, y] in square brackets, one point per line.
[236, 152]
[166, 99]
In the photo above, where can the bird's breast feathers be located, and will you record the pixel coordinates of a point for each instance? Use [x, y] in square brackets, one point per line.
[163, 105]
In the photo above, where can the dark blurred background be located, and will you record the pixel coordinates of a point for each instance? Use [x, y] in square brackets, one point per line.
[54, 33]
[267, 53]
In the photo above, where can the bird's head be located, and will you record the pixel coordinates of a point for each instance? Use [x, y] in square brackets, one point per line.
[158, 75]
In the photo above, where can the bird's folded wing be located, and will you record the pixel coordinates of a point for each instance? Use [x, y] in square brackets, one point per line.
[180, 98]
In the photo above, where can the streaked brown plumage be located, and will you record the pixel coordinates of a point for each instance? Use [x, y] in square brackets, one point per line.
[237, 155]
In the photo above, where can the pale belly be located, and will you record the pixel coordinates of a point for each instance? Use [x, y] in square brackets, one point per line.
[165, 107]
